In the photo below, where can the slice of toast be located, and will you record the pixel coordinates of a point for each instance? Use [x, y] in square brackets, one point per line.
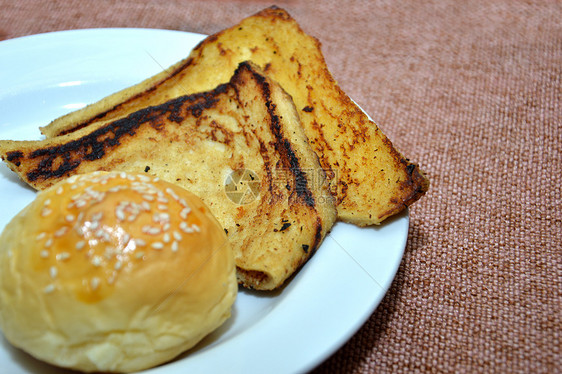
[240, 147]
[369, 177]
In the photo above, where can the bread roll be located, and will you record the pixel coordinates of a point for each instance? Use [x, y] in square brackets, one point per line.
[113, 272]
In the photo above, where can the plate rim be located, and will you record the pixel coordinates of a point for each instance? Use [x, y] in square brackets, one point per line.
[402, 218]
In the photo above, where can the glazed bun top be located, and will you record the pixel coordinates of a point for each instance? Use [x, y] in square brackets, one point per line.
[113, 272]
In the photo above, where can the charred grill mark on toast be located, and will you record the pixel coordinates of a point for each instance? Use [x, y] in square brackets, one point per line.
[14, 157]
[274, 40]
[94, 146]
[417, 185]
[259, 129]
[282, 144]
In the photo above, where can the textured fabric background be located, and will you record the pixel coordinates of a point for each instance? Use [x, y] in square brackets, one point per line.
[471, 90]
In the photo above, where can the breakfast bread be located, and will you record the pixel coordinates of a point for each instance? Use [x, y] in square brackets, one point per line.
[369, 177]
[113, 272]
[240, 147]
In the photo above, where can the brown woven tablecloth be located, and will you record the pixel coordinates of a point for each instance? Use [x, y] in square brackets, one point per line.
[471, 90]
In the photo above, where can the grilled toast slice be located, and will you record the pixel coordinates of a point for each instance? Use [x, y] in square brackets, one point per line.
[240, 147]
[369, 177]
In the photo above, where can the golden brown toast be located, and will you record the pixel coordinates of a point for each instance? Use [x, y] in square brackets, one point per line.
[369, 177]
[240, 147]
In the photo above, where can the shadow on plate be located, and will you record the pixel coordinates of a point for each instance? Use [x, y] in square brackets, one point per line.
[12, 177]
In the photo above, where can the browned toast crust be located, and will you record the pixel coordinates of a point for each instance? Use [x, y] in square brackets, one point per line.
[369, 177]
[198, 141]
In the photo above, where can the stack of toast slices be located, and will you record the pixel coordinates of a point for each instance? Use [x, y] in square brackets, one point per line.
[253, 122]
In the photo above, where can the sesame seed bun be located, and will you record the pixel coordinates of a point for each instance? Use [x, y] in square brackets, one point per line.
[113, 272]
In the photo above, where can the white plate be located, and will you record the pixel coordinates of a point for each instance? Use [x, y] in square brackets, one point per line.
[44, 76]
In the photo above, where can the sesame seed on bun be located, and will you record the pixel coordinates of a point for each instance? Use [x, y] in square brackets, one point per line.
[113, 272]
